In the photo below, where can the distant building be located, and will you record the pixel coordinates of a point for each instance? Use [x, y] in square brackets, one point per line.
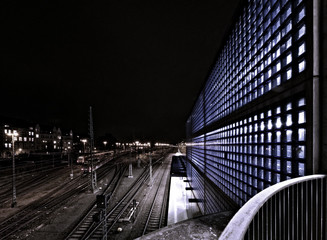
[33, 139]
[24, 142]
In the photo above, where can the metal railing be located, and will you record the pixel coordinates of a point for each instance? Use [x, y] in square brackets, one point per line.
[293, 209]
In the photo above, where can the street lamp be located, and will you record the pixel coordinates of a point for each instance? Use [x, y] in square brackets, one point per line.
[84, 141]
[105, 143]
[13, 135]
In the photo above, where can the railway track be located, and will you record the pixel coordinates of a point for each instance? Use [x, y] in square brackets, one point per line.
[86, 224]
[97, 230]
[156, 215]
[45, 205]
[37, 209]
[152, 216]
[25, 184]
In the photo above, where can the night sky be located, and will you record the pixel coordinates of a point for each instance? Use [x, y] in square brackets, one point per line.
[139, 64]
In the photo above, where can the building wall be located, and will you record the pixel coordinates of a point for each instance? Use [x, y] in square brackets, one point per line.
[252, 124]
[324, 85]
[32, 139]
[24, 142]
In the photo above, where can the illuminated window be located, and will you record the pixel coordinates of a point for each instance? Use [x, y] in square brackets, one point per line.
[289, 58]
[302, 117]
[301, 134]
[302, 66]
[301, 31]
[301, 49]
[289, 74]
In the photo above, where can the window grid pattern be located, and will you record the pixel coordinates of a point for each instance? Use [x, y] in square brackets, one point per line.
[246, 156]
[265, 49]
[215, 201]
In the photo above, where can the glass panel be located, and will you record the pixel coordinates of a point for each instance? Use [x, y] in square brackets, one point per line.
[289, 135]
[289, 120]
[302, 118]
[301, 66]
[301, 134]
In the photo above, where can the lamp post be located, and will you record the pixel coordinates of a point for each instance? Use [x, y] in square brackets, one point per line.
[13, 135]
[105, 143]
[83, 141]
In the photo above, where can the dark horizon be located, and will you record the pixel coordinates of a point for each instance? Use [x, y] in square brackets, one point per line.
[139, 65]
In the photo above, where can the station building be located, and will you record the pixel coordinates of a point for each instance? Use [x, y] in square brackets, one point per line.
[261, 116]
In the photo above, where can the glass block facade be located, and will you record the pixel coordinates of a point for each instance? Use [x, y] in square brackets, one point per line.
[248, 127]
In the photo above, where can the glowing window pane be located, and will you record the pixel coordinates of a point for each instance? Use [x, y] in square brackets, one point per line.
[268, 150]
[302, 118]
[268, 176]
[261, 150]
[289, 135]
[301, 169]
[289, 120]
[289, 58]
[278, 110]
[269, 137]
[289, 74]
[270, 125]
[277, 165]
[278, 122]
[277, 151]
[288, 151]
[289, 167]
[278, 80]
[278, 66]
[256, 127]
[278, 136]
[300, 151]
[301, 49]
[301, 133]
[301, 15]
[301, 102]
[301, 66]
[289, 43]
[276, 177]
[288, 106]
[301, 31]
[262, 126]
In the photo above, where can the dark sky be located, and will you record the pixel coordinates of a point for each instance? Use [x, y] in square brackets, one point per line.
[139, 64]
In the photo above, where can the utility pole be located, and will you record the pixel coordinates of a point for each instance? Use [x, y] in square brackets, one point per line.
[13, 135]
[130, 169]
[151, 180]
[93, 173]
